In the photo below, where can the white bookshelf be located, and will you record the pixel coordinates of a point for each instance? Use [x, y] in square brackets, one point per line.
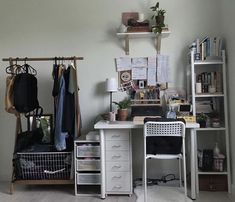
[207, 137]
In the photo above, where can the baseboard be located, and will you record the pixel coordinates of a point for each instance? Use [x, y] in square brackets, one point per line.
[5, 178]
[233, 189]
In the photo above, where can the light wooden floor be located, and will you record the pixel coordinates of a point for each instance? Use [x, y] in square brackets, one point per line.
[65, 193]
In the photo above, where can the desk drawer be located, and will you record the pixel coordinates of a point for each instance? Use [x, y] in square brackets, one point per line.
[117, 156]
[117, 135]
[117, 145]
[118, 181]
[117, 166]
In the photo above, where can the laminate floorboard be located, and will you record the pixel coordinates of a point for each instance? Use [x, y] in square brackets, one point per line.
[51, 193]
[65, 193]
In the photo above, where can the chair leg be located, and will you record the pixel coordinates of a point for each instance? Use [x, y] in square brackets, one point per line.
[180, 171]
[185, 177]
[145, 179]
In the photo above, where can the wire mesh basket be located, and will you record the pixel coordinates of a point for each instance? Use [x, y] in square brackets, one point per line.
[43, 165]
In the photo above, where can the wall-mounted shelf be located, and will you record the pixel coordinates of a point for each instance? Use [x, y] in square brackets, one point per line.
[128, 35]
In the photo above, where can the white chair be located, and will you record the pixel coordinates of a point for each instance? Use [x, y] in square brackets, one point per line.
[170, 129]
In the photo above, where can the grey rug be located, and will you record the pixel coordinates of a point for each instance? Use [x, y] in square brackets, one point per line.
[162, 194]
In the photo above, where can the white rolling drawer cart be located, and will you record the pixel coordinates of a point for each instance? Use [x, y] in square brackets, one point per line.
[118, 162]
[87, 167]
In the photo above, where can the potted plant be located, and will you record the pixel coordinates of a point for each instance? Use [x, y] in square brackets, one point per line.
[123, 106]
[201, 119]
[158, 15]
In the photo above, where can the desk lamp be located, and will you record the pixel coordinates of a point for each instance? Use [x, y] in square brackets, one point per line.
[111, 86]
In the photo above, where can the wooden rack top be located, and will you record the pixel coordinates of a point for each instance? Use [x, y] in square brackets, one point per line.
[42, 58]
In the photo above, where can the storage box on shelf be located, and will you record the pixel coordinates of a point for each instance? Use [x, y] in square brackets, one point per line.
[87, 167]
[213, 183]
[208, 93]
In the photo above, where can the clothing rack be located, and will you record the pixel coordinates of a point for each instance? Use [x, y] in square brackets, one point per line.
[11, 61]
[42, 59]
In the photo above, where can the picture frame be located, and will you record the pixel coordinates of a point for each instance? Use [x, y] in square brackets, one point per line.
[43, 122]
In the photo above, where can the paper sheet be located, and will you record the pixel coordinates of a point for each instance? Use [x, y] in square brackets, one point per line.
[163, 68]
[152, 71]
[139, 73]
[139, 62]
[152, 76]
[123, 63]
[152, 62]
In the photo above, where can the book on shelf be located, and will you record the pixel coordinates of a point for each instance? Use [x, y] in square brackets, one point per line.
[209, 48]
[210, 79]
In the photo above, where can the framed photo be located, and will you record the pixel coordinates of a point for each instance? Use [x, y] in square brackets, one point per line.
[45, 123]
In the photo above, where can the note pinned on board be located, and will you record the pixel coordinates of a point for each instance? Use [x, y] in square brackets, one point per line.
[152, 71]
[139, 73]
[163, 70]
[123, 63]
[139, 62]
[152, 62]
[152, 76]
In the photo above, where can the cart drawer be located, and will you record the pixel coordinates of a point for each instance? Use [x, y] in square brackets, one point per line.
[88, 178]
[88, 164]
[88, 151]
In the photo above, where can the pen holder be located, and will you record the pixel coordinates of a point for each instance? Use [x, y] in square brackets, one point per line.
[112, 116]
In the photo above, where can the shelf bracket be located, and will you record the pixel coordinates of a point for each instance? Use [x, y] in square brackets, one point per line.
[127, 45]
[158, 43]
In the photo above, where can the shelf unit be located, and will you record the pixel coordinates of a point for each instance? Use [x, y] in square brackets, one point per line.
[129, 35]
[207, 137]
[87, 168]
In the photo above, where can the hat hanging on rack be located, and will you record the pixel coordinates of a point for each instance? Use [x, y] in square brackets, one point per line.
[111, 86]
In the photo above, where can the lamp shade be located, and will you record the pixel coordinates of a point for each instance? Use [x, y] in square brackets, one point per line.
[111, 85]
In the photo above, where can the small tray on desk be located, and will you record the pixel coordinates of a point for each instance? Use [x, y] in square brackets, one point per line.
[140, 119]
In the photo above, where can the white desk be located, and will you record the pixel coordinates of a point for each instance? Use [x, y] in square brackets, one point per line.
[118, 125]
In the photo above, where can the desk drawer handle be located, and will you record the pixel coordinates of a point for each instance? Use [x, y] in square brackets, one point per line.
[115, 135]
[117, 187]
[117, 177]
[116, 156]
[116, 146]
[116, 166]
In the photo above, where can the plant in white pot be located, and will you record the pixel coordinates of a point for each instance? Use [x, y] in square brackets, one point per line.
[123, 106]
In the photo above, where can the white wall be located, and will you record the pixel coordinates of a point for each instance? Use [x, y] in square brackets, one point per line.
[229, 33]
[87, 28]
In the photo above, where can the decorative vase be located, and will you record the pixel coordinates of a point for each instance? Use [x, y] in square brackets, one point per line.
[216, 150]
[122, 114]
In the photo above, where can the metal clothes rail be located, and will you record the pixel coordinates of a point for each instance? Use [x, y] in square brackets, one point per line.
[11, 61]
[42, 59]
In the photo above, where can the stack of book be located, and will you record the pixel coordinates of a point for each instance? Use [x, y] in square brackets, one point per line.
[208, 48]
[210, 79]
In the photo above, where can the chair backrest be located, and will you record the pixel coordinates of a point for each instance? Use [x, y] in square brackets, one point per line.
[169, 128]
[163, 136]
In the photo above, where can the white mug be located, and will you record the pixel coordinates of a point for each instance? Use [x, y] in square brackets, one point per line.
[122, 28]
[141, 17]
[112, 116]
